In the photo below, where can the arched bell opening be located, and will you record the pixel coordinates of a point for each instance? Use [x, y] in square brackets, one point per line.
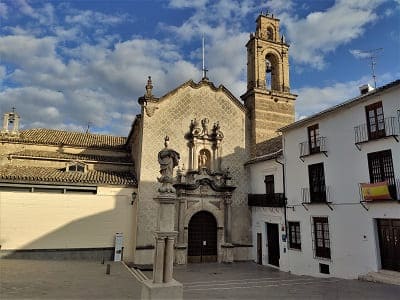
[272, 81]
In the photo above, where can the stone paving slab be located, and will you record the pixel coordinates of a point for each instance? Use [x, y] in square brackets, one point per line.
[251, 281]
[39, 279]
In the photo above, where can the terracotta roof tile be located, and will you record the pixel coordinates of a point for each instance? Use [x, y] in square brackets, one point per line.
[24, 174]
[71, 156]
[269, 146]
[60, 137]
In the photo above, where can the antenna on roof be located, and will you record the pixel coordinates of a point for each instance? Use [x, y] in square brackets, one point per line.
[88, 126]
[372, 56]
[204, 65]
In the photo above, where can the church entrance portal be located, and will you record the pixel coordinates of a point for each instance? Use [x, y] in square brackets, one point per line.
[202, 239]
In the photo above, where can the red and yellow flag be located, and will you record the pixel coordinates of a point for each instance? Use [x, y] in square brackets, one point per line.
[375, 191]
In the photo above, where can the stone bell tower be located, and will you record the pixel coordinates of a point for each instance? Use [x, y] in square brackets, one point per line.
[268, 99]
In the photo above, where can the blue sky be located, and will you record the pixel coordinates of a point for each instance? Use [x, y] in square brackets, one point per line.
[66, 63]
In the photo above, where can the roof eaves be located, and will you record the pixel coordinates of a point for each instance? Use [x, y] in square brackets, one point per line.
[339, 106]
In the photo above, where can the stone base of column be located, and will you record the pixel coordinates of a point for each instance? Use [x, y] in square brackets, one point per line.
[227, 252]
[170, 290]
[181, 254]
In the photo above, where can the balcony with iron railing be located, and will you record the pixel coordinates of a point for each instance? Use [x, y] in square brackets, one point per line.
[320, 195]
[308, 148]
[267, 200]
[364, 133]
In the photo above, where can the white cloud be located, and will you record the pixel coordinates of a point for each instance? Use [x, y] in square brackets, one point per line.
[314, 99]
[187, 3]
[3, 10]
[89, 18]
[319, 33]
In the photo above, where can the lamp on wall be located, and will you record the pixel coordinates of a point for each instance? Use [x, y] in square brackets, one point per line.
[134, 195]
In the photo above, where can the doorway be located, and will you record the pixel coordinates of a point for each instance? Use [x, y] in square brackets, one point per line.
[273, 244]
[202, 238]
[389, 243]
[259, 248]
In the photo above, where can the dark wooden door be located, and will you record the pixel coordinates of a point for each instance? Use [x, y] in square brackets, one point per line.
[389, 243]
[375, 121]
[273, 244]
[259, 248]
[202, 239]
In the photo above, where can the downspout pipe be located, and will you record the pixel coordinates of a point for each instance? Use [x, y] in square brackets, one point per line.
[284, 194]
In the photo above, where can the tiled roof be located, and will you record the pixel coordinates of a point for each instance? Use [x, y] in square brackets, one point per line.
[61, 137]
[269, 146]
[264, 157]
[46, 175]
[71, 156]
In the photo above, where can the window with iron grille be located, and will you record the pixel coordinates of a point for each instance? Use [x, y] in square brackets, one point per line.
[321, 237]
[294, 235]
[316, 178]
[375, 120]
[313, 139]
[380, 166]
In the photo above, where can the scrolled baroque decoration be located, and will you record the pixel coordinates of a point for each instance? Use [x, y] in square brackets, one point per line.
[168, 160]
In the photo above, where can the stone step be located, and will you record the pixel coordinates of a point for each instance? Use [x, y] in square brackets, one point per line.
[382, 276]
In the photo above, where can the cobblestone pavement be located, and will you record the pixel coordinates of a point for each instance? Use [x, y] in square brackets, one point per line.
[251, 281]
[40, 279]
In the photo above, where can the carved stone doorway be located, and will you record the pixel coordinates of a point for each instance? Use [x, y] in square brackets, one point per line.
[202, 238]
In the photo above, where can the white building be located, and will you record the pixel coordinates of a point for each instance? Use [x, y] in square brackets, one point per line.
[332, 229]
[267, 202]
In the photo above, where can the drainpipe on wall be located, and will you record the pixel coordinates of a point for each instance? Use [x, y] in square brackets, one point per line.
[284, 194]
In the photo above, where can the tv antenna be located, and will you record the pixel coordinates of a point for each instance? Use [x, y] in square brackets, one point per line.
[88, 126]
[372, 56]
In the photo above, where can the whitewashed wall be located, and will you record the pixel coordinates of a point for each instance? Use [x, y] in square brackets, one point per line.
[262, 215]
[354, 240]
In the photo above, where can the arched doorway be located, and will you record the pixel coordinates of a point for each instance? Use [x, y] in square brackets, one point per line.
[202, 239]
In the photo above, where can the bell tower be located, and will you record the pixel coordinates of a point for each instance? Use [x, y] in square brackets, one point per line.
[268, 99]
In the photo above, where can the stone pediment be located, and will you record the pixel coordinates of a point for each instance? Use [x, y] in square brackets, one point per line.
[192, 84]
[194, 180]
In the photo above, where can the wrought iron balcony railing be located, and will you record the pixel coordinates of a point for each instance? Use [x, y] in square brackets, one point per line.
[367, 132]
[267, 200]
[309, 148]
[317, 195]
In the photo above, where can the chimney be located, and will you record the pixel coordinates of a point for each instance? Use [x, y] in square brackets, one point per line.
[366, 88]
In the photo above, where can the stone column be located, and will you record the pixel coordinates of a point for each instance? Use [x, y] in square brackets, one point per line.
[227, 247]
[158, 266]
[228, 219]
[163, 286]
[181, 245]
[169, 259]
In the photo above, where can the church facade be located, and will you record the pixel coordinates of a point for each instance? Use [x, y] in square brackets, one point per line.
[215, 135]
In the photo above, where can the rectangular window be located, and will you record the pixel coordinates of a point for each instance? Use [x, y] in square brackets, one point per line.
[380, 166]
[321, 237]
[317, 183]
[375, 120]
[294, 235]
[269, 185]
[313, 139]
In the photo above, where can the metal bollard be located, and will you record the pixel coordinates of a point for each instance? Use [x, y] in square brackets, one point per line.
[108, 269]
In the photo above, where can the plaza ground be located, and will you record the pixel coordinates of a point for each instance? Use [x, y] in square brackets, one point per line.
[39, 279]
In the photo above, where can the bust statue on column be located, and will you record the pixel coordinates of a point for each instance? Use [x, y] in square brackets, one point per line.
[168, 160]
